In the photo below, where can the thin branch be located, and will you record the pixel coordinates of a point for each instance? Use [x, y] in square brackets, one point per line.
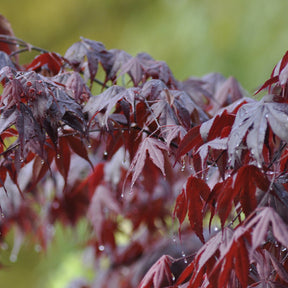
[19, 42]
[277, 155]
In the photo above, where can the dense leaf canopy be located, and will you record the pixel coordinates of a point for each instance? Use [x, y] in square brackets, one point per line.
[146, 145]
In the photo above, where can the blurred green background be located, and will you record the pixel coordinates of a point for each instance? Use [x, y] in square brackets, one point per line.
[240, 38]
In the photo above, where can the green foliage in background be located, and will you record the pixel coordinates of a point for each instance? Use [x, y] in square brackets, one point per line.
[63, 261]
[194, 37]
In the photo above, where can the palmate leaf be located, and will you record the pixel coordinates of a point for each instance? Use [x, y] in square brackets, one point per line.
[191, 141]
[120, 57]
[176, 108]
[75, 86]
[248, 179]
[236, 259]
[218, 127]
[135, 67]
[32, 101]
[251, 123]
[173, 132]
[159, 274]
[261, 222]
[152, 89]
[143, 66]
[218, 144]
[226, 93]
[94, 51]
[234, 256]
[241, 188]
[154, 148]
[204, 260]
[106, 101]
[192, 200]
[104, 227]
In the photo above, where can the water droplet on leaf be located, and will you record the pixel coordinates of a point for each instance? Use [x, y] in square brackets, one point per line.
[101, 248]
[13, 258]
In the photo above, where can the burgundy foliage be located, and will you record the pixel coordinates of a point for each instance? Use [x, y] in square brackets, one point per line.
[145, 153]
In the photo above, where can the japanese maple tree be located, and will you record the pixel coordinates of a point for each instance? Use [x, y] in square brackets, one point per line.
[146, 154]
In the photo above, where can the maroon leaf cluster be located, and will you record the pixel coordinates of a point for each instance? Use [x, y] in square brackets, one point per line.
[145, 152]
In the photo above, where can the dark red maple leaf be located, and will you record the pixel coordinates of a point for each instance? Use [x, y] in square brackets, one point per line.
[48, 64]
[251, 124]
[159, 274]
[95, 52]
[6, 29]
[236, 165]
[267, 217]
[120, 57]
[75, 86]
[278, 76]
[102, 205]
[192, 200]
[154, 149]
[191, 141]
[37, 105]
